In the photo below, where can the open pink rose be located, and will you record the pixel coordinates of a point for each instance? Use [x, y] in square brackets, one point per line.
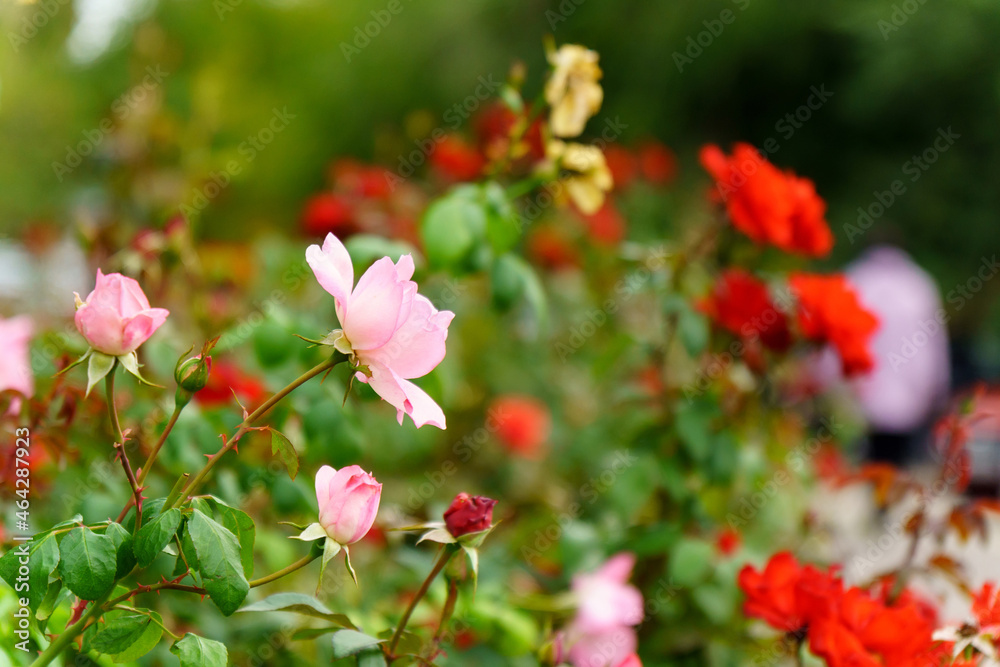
[116, 317]
[398, 334]
[348, 502]
[15, 368]
[602, 633]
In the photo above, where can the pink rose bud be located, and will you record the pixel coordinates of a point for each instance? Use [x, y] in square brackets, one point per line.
[397, 334]
[469, 514]
[116, 317]
[348, 502]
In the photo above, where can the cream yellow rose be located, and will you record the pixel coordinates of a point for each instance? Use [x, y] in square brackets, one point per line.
[572, 90]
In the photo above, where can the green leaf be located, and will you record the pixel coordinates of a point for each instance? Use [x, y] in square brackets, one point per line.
[450, 228]
[202, 505]
[43, 557]
[219, 562]
[299, 604]
[88, 563]
[351, 642]
[692, 328]
[690, 562]
[241, 525]
[503, 224]
[285, 450]
[330, 549]
[156, 534]
[195, 651]
[312, 633]
[100, 365]
[53, 596]
[128, 638]
[372, 658]
[123, 541]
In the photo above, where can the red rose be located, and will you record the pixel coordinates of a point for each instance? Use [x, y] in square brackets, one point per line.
[657, 163]
[457, 160]
[766, 204]
[786, 595]
[522, 424]
[328, 213]
[469, 514]
[829, 312]
[742, 305]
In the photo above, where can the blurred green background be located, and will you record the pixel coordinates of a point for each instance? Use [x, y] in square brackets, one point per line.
[898, 72]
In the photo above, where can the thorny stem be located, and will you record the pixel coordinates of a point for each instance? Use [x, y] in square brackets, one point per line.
[148, 465]
[109, 385]
[245, 427]
[69, 634]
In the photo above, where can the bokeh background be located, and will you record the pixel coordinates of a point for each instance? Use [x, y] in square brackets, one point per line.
[116, 115]
[898, 72]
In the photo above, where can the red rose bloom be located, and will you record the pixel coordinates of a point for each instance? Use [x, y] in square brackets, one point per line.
[227, 379]
[327, 213]
[829, 312]
[622, 165]
[522, 423]
[469, 514]
[766, 204]
[456, 160]
[606, 226]
[786, 595]
[742, 305]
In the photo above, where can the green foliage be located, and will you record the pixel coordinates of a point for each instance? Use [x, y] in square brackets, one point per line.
[129, 637]
[88, 563]
[195, 651]
[156, 534]
[218, 561]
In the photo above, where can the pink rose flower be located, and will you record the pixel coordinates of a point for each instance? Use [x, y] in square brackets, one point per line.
[605, 598]
[15, 370]
[116, 317]
[602, 634]
[398, 334]
[348, 502]
[631, 661]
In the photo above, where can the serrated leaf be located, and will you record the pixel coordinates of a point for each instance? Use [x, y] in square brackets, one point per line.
[372, 658]
[299, 604]
[219, 562]
[43, 557]
[195, 651]
[128, 638]
[351, 642]
[100, 365]
[285, 450]
[88, 563]
[123, 541]
[156, 534]
[241, 525]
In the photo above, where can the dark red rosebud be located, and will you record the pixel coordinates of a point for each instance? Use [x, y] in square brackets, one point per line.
[469, 514]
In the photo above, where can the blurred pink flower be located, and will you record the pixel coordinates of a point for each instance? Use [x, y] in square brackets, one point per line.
[398, 334]
[116, 317]
[631, 661]
[15, 370]
[348, 502]
[601, 633]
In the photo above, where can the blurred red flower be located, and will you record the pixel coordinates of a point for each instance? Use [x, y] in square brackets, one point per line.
[227, 379]
[523, 424]
[766, 204]
[657, 163]
[456, 160]
[786, 595]
[607, 225]
[622, 164]
[829, 311]
[493, 127]
[741, 304]
[327, 213]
